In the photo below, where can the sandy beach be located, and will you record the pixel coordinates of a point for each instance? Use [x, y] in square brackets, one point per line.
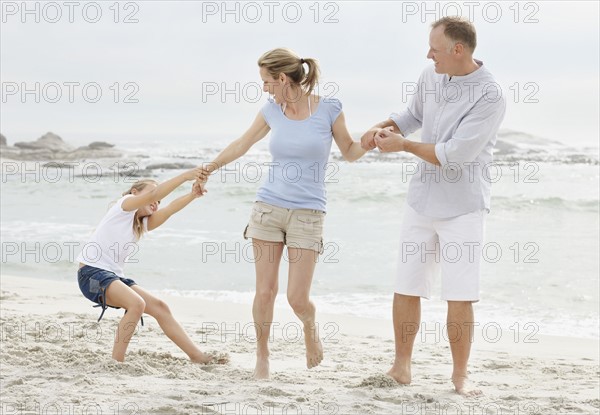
[55, 358]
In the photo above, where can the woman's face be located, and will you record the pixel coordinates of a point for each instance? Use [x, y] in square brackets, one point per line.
[272, 86]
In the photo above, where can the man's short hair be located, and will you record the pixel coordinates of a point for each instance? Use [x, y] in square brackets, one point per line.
[458, 30]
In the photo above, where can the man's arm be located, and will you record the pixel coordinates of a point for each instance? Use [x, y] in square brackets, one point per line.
[474, 132]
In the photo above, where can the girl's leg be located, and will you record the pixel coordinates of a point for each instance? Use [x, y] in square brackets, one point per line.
[120, 295]
[302, 268]
[161, 312]
[267, 257]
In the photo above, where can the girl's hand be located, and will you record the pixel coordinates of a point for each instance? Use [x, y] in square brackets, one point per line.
[197, 173]
[198, 190]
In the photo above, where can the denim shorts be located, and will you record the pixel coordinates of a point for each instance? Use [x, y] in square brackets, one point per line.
[93, 282]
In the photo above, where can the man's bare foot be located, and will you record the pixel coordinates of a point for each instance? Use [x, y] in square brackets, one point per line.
[261, 371]
[211, 358]
[462, 387]
[314, 347]
[400, 373]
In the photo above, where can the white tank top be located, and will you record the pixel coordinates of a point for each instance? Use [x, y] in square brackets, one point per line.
[113, 242]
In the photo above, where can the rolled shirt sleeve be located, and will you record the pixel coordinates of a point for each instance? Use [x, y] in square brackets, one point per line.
[406, 121]
[411, 119]
[473, 133]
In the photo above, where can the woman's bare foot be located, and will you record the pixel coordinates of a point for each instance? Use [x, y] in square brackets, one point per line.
[400, 373]
[314, 347]
[462, 387]
[261, 371]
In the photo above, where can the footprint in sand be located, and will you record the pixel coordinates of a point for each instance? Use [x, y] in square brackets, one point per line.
[378, 381]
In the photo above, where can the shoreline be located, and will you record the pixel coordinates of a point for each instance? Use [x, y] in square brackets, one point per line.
[52, 347]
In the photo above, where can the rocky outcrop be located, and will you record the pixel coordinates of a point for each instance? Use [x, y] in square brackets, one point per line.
[170, 166]
[48, 141]
[51, 147]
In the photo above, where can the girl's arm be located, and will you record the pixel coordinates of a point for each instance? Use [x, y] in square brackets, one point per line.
[257, 131]
[160, 216]
[162, 190]
[351, 150]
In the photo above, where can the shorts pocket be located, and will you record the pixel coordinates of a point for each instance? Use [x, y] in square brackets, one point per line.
[260, 214]
[310, 224]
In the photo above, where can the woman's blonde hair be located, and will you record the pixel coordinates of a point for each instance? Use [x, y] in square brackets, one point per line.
[283, 60]
[138, 223]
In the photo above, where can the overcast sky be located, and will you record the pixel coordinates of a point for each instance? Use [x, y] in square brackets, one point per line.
[175, 58]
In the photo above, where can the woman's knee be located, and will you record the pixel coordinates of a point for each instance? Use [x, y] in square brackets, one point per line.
[266, 295]
[299, 303]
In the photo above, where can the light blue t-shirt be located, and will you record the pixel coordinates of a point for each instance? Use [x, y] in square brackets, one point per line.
[300, 152]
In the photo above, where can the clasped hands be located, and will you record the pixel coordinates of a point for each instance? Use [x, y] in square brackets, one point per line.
[384, 139]
[202, 173]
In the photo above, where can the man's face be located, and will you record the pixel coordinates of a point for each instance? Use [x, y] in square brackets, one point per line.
[439, 51]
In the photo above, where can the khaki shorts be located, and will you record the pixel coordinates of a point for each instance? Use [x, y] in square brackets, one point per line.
[296, 228]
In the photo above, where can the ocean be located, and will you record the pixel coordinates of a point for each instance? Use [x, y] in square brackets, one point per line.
[541, 264]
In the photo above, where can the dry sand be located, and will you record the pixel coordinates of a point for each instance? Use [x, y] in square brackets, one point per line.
[55, 359]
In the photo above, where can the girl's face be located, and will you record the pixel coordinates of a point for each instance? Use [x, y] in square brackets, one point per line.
[147, 210]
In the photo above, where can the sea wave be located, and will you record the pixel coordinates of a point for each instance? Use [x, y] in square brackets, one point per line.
[379, 306]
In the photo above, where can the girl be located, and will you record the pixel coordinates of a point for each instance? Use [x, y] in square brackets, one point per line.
[290, 210]
[101, 277]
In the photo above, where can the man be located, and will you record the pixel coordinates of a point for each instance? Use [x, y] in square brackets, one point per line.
[459, 108]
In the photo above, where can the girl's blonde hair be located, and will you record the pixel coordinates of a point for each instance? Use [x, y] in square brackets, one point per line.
[283, 60]
[138, 223]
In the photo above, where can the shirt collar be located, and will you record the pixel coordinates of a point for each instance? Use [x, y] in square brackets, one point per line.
[475, 73]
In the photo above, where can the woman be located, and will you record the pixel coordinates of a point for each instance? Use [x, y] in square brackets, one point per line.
[291, 204]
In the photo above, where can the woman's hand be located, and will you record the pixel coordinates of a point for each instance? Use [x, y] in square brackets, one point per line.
[367, 141]
[197, 173]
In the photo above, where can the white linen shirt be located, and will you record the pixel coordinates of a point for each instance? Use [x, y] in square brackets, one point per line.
[461, 116]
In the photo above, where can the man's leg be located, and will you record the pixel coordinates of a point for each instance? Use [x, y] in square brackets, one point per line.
[407, 318]
[461, 239]
[414, 278]
[460, 334]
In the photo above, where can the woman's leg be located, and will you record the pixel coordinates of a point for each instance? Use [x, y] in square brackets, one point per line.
[267, 257]
[302, 268]
[161, 312]
[120, 295]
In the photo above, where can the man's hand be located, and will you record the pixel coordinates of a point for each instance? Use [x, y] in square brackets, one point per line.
[388, 142]
[367, 141]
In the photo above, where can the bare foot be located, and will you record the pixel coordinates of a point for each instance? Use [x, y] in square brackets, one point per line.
[314, 347]
[462, 387]
[211, 358]
[400, 373]
[261, 371]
